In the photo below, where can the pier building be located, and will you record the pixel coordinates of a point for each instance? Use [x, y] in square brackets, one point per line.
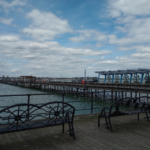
[125, 76]
[28, 78]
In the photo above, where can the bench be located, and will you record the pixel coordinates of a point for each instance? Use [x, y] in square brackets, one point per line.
[26, 116]
[123, 107]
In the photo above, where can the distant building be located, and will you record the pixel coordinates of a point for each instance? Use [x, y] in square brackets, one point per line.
[28, 78]
[137, 76]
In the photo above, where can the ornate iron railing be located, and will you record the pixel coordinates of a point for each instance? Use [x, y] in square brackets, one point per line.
[90, 99]
[96, 100]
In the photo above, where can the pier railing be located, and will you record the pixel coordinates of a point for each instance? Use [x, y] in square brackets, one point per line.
[77, 101]
[82, 101]
[76, 87]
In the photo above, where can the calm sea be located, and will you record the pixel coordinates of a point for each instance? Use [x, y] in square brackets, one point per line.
[80, 105]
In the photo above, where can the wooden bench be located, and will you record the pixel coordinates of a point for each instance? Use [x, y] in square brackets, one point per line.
[123, 107]
[21, 117]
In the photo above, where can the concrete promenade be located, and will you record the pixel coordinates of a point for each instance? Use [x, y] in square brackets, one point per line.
[129, 134]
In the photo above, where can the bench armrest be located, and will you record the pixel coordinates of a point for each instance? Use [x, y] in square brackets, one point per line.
[103, 112]
[69, 116]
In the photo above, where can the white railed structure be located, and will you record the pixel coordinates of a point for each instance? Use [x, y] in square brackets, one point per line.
[125, 76]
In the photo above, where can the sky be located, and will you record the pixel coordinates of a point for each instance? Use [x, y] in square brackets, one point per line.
[62, 38]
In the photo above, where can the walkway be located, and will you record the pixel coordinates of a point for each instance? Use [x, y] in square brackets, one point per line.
[129, 134]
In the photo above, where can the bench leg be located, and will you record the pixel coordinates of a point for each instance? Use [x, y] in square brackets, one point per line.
[110, 124]
[73, 131]
[106, 123]
[138, 116]
[147, 116]
[69, 129]
[98, 121]
[63, 128]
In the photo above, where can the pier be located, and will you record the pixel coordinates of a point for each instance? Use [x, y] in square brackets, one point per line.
[99, 90]
[129, 134]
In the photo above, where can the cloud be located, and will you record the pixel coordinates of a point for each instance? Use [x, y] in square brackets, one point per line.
[141, 55]
[123, 29]
[45, 58]
[122, 63]
[8, 38]
[128, 7]
[6, 21]
[121, 41]
[14, 70]
[140, 48]
[20, 10]
[137, 31]
[44, 48]
[82, 26]
[7, 5]
[3, 66]
[105, 24]
[89, 34]
[138, 59]
[132, 18]
[45, 25]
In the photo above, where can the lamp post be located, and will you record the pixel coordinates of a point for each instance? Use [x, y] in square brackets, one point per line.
[85, 75]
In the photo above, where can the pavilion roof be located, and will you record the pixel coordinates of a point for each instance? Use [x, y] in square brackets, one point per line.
[120, 72]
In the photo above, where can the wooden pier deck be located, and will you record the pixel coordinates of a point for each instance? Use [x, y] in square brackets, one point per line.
[69, 86]
[129, 134]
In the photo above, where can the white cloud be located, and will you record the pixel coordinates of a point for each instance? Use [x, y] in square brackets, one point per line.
[128, 7]
[45, 25]
[49, 58]
[20, 10]
[133, 16]
[141, 55]
[123, 63]
[115, 13]
[143, 49]
[8, 38]
[52, 59]
[14, 70]
[30, 57]
[137, 31]
[125, 20]
[100, 44]
[89, 34]
[123, 29]
[82, 26]
[139, 59]
[6, 21]
[7, 5]
[121, 41]
[104, 24]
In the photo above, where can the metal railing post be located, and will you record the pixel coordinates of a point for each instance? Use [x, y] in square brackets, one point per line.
[28, 106]
[91, 102]
[112, 96]
[135, 93]
[63, 97]
[115, 95]
[104, 95]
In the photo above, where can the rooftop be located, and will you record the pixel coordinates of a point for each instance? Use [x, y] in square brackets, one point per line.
[128, 134]
[129, 71]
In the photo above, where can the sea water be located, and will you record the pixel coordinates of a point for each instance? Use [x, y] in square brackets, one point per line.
[81, 104]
